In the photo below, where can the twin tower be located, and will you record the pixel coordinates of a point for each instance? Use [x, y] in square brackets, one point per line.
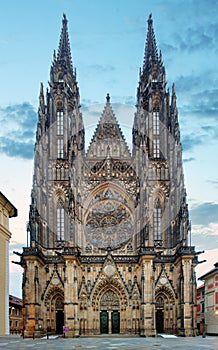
[108, 227]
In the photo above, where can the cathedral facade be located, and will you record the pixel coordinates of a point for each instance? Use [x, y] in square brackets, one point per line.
[108, 228]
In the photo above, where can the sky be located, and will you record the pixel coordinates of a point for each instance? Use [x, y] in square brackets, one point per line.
[107, 42]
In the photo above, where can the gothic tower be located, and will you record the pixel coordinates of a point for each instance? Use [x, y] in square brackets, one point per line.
[108, 227]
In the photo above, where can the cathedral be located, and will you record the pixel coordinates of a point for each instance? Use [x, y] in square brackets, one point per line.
[108, 233]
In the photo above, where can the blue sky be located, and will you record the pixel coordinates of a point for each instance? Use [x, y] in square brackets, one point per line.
[107, 41]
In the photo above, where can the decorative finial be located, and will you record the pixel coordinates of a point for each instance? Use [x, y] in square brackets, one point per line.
[54, 56]
[150, 17]
[41, 89]
[108, 98]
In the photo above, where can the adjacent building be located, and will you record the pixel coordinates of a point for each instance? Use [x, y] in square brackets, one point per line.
[7, 211]
[108, 227]
[211, 300]
[200, 309]
[15, 314]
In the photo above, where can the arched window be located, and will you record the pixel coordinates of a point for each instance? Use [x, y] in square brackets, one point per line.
[60, 220]
[60, 148]
[156, 134]
[160, 303]
[156, 148]
[157, 220]
[156, 123]
[60, 123]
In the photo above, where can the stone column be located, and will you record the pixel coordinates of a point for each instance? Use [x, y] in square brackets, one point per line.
[188, 302]
[148, 302]
[71, 297]
[109, 322]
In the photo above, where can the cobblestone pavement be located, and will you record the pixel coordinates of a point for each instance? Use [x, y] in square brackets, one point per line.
[106, 343]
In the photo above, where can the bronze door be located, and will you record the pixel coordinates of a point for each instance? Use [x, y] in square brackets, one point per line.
[115, 319]
[104, 322]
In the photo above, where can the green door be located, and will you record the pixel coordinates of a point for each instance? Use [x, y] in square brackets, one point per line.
[104, 322]
[115, 319]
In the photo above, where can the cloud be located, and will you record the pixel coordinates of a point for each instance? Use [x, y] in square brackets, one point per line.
[196, 39]
[201, 103]
[17, 135]
[101, 68]
[187, 160]
[130, 100]
[205, 237]
[205, 103]
[204, 213]
[192, 81]
[17, 246]
[190, 141]
[213, 182]
[201, 135]
[85, 102]
[193, 40]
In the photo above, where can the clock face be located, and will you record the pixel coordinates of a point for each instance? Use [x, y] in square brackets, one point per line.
[163, 280]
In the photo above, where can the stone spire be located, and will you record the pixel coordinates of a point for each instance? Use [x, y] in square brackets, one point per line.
[64, 51]
[151, 53]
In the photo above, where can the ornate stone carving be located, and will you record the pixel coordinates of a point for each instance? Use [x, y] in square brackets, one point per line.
[109, 301]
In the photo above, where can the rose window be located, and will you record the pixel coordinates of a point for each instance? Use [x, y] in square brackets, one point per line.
[109, 220]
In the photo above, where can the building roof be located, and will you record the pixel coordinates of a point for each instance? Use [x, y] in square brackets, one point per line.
[201, 286]
[8, 205]
[209, 272]
[15, 301]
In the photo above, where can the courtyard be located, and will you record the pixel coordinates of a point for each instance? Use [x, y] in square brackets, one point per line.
[109, 343]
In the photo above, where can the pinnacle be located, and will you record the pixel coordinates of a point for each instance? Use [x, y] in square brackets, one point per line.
[151, 53]
[108, 98]
[64, 51]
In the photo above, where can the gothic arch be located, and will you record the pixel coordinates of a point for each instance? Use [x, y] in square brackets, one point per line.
[58, 102]
[52, 294]
[58, 190]
[165, 309]
[109, 185]
[156, 101]
[166, 293]
[109, 300]
[109, 285]
[160, 190]
[54, 309]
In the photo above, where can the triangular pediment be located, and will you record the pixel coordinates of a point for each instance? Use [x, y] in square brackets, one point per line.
[109, 278]
[164, 283]
[108, 138]
[135, 292]
[83, 293]
[55, 282]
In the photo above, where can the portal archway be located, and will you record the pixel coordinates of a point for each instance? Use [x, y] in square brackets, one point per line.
[110, 313]
[165, 310]
[54, 302]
